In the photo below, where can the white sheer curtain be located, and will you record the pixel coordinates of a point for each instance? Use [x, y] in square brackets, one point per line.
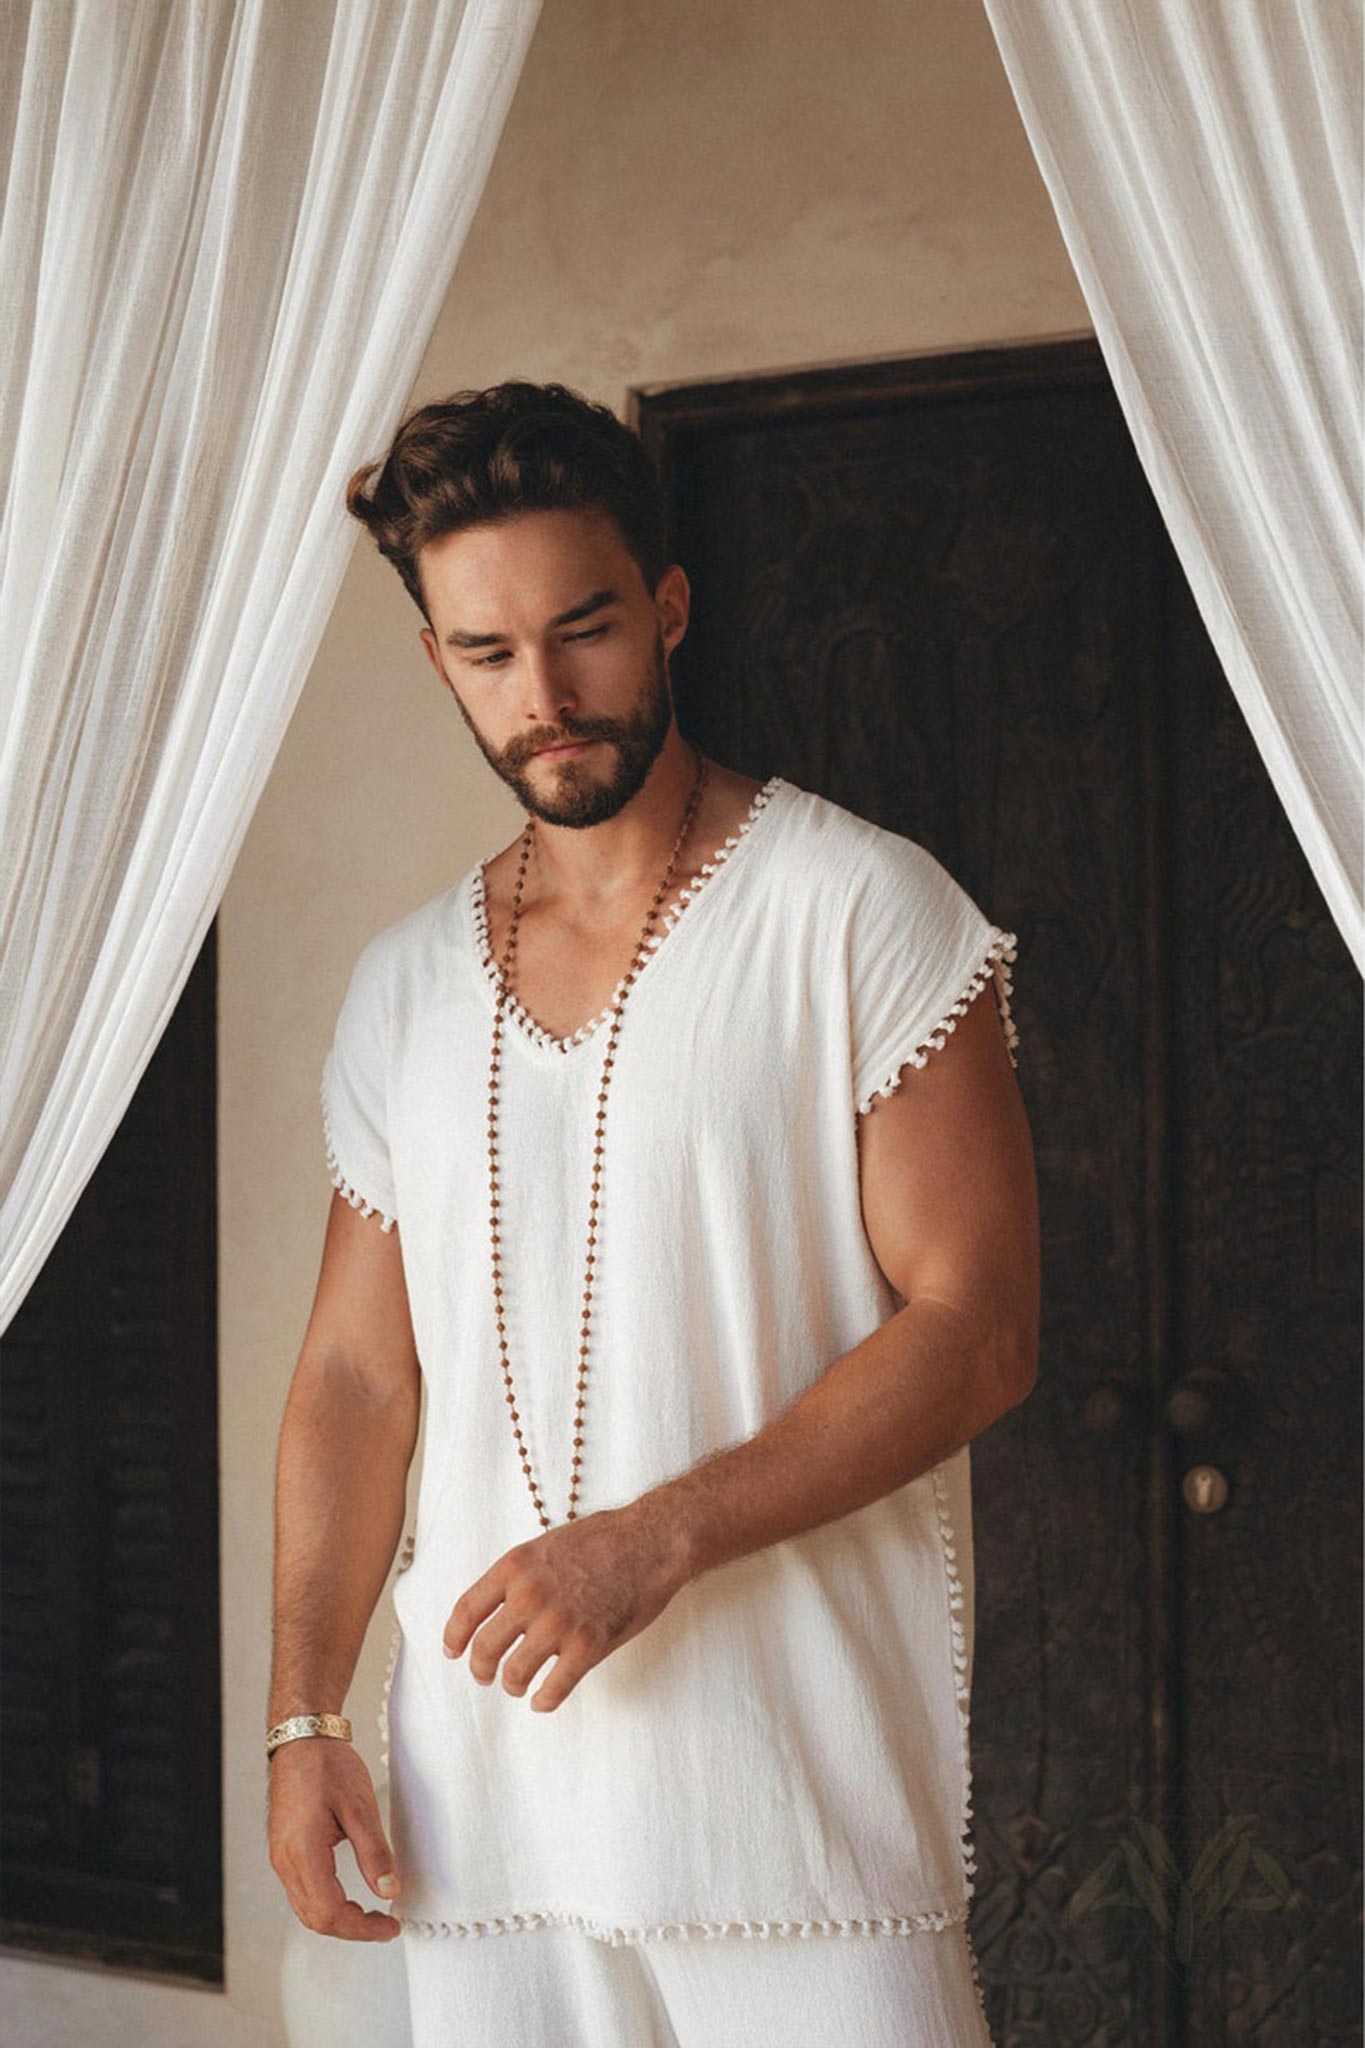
[1204, 161]
[228, 228]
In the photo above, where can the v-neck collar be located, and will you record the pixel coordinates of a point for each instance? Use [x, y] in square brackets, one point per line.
[521, 1017]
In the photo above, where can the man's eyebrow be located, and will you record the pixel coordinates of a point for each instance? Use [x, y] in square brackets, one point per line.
[455, 638]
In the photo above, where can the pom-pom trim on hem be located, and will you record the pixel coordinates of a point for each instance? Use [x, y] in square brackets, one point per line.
[998, 962]
[686, 1930]
[522, 1017]
[345, 1187]
[929, 1921]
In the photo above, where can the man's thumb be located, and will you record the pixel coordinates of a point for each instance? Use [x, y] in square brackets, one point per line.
[375, 1857]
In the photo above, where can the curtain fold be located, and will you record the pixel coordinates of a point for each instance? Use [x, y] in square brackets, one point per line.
[1203, 158]
[228, 228]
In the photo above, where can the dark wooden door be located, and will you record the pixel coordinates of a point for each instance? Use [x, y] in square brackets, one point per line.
[940, 593]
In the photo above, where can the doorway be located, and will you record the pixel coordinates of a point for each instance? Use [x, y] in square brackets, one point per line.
[939, 592]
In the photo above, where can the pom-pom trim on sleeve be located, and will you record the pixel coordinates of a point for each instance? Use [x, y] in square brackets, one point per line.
[997, 962]
[347, 1188]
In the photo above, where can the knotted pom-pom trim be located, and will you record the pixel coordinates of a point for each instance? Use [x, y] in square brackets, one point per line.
[962, 1691]
[687, 1930]
[961, 1686]
[479, 905]
[338, 1179]
[930, 1921]
[999, 957]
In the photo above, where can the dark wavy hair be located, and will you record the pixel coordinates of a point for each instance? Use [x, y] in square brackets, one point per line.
[481, 456]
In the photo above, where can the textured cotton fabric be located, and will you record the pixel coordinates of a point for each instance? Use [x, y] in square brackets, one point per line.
[558, 1986]
[786, 1747]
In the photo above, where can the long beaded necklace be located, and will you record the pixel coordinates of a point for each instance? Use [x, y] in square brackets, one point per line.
[505, 982]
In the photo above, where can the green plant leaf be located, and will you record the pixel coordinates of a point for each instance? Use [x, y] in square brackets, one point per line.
[1158, 1848]
[1085, 1898]
[1218, 1845]
[1273, 1874]
[1146, 1884]
[1234, 1873]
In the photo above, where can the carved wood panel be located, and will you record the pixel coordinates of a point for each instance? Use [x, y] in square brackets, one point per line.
[940, 593]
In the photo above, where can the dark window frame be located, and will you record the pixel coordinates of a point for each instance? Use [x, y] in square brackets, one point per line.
[110, 1662]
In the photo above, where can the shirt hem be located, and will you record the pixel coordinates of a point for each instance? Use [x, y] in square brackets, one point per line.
[928, 1921]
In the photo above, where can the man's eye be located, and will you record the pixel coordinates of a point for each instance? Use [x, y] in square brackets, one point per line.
[502, 654]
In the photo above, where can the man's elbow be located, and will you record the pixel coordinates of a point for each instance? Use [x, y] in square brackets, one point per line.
[1016, 1365]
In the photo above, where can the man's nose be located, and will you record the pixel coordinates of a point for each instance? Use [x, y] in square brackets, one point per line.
[548, 691]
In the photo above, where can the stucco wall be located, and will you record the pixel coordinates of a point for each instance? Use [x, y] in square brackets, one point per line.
[687, 189]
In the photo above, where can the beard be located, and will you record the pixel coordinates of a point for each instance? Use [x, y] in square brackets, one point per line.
[576, 797]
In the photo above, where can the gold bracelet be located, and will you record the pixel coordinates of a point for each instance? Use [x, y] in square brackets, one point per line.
[307, 1724]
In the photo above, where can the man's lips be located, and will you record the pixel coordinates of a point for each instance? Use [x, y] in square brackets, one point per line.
[568, 747]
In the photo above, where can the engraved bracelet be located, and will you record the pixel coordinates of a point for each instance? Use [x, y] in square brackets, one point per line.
[307, 1724]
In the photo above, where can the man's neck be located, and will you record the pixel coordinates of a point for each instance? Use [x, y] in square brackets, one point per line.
[591, 867]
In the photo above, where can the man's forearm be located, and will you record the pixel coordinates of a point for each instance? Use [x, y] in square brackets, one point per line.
[909, 1395]
[340, 1495]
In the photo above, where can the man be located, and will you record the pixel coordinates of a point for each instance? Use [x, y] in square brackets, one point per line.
[674, 1153]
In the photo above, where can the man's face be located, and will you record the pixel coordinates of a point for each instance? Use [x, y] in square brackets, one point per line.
[545, 633]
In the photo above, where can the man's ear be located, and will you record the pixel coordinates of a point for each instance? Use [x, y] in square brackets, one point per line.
[672, 603]
[428, 639]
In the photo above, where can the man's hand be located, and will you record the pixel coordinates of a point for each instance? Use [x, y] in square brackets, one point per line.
[576, 1593]
[321, 1793]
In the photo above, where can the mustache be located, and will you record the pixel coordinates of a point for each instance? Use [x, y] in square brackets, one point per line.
[598, 731]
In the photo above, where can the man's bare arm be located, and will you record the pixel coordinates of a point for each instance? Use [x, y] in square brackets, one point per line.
[346, 1442]
[950, 1207]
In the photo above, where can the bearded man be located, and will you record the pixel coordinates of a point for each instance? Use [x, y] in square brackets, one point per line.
[678, 1153]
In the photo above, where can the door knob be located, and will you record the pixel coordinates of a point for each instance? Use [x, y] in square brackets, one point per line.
[1205, 1489]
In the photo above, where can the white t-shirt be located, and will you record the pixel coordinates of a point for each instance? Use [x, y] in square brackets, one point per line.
[785, 1749]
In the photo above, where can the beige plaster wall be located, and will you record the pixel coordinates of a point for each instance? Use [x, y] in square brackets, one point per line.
[685, 189]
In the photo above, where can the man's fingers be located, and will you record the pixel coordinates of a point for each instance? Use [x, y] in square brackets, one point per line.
[493, 1640]
[569, 1668]
[351, 1922]
[365, 1833]
[322, 1794]
[476, 1603]
[521, 1667]
[316, 1895]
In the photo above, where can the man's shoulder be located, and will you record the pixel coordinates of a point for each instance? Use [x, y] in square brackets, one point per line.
[408, 941]
[852, 852]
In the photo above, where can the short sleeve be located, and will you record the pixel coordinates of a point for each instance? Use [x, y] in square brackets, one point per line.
[920, 949]
[354, 1093]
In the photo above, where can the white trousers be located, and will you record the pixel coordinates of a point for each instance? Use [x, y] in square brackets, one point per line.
[557, 1987]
